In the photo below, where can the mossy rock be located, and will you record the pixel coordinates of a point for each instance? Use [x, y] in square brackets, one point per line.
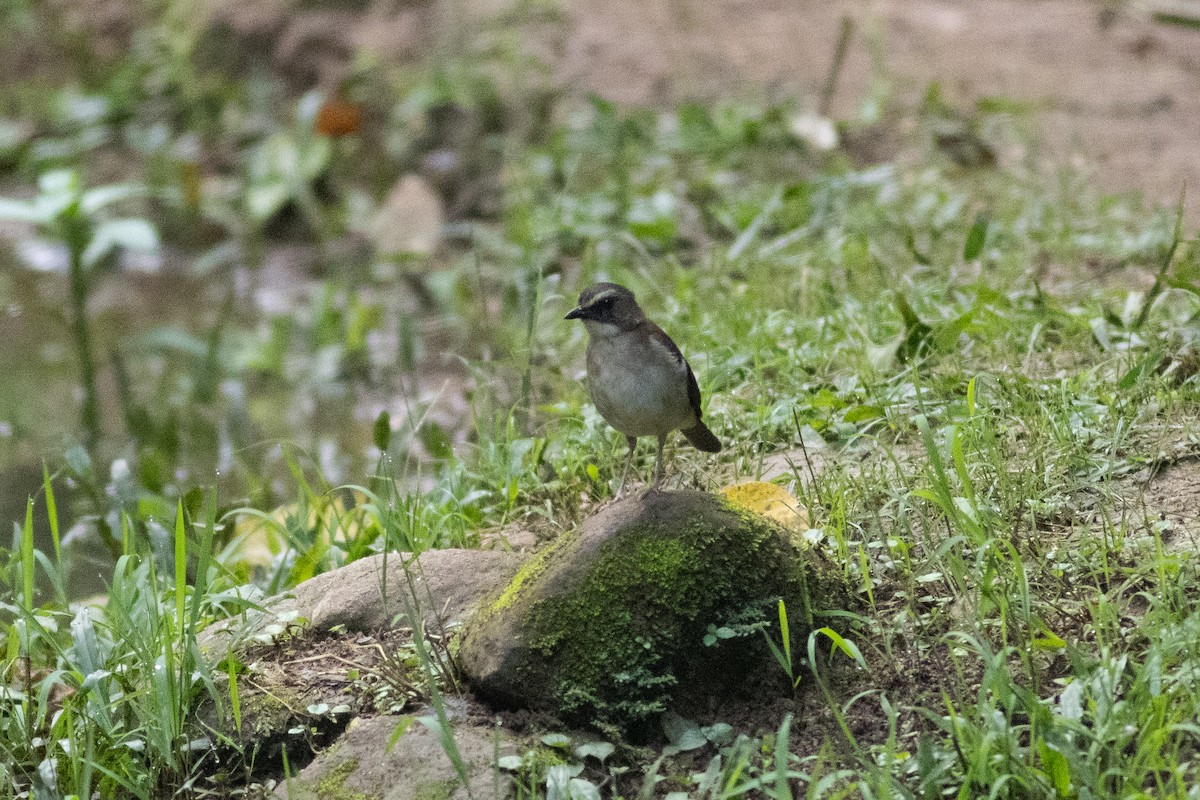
[393, 758]
[601, 626]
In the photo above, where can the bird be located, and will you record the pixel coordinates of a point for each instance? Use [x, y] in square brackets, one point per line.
[637, 377]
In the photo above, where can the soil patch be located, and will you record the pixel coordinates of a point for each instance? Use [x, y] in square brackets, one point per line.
[1115, 91]
[1167, 503]
[1119, 93]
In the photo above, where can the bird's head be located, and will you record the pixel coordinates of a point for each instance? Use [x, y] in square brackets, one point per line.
[607, 307]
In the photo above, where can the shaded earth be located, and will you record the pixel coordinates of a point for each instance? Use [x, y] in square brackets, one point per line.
[1117, 93]
[1112, 91]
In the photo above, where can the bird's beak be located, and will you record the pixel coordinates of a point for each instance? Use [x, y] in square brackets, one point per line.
[575, 313]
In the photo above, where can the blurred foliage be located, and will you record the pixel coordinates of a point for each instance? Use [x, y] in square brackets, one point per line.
[303, 401]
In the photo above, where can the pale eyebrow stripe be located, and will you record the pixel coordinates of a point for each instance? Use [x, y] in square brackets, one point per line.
[601, 296]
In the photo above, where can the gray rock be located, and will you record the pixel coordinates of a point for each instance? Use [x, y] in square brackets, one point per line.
[602, 625]
[298, 692]
[440, 586]
[364, 763]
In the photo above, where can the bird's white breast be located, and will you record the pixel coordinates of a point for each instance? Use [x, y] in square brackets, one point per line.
[638, 384]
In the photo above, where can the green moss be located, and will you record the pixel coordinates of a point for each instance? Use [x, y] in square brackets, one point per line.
[527, 574]
[615, 639]
[332, 785]
[435, 790]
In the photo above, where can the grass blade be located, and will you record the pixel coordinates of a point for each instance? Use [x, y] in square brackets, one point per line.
[51, 512]
[180, 569]
[27, 556]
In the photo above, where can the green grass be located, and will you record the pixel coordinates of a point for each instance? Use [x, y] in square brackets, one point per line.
[983, 364]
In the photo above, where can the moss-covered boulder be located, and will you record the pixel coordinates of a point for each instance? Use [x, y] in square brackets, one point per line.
[604, 624]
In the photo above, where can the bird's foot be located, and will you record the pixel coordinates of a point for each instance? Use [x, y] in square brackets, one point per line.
[658, 486]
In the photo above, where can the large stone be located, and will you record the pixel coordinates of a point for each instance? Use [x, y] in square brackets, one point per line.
[602, 625]
[370, 762]
[301, 690]
[440, 587]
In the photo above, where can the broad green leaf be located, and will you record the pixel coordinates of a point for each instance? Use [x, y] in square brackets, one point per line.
[947, 333]
[1070, 701]
[1048, 640]
[918, 255]
[848, 647]
[509, 763]
[933, 497]
[653, 218]
[597, 750]
[95, 199]
[134, 234]
[173, 340]
[683, 734]
[383, 430]
[719, 733]
[1057, 768]
[560, 780]
[1144, 368]
[966, 508]
[51, 207]
[582, 789]
[401, 728]
[59, 182]
[90, 653]
[80, 462]
[314, 159]
[264, 199]
[558, 777]
[976, 237]
[18, 211]
[916, 332]
[863, 413]
[436, 441]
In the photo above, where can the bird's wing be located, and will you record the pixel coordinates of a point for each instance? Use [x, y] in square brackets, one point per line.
[693, 388]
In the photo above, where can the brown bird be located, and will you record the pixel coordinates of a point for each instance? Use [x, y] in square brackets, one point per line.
[639, 381]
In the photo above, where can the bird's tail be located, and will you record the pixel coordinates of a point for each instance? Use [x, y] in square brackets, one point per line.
[702, 438]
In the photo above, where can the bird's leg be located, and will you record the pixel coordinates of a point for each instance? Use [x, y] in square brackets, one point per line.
[659, 472]
[632, 440]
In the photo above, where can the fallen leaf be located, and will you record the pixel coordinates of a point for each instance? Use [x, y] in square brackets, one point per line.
[771, 501]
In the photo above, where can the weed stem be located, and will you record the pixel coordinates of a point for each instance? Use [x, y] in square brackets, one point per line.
[80, 329]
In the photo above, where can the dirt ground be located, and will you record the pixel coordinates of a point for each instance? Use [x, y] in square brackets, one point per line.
[1119, 94]
[1122, 97]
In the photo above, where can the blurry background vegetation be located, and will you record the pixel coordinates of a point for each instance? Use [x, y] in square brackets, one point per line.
[257, 292]
[256, 250]
[251, 228]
